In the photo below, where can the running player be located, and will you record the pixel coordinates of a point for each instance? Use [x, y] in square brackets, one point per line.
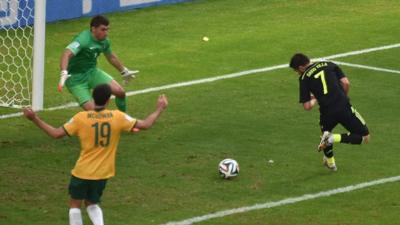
[325, 83]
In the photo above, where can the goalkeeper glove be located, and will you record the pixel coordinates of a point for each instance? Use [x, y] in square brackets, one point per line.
[127, 75]
[63, 77]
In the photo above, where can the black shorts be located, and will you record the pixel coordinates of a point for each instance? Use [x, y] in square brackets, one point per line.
[90, 190]
[348, 117]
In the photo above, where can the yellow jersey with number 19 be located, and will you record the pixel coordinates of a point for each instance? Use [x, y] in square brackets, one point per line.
[99, 134]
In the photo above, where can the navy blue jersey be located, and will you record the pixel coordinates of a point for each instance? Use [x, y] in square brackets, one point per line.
[322, 79]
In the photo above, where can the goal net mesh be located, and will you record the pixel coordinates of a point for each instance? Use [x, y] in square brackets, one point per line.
[16, 52]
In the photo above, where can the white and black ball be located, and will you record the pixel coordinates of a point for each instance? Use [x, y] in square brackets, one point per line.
[228, 168]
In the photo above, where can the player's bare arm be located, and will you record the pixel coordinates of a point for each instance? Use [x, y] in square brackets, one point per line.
[47, 128]
[345, 84]
[66, 56]
[127, 74]
[162, 104]
[310, 104]
[115, 61]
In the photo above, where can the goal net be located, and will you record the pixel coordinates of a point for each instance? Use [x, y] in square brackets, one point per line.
[17, 52]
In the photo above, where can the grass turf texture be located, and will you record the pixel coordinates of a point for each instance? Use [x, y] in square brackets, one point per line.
[170, 172]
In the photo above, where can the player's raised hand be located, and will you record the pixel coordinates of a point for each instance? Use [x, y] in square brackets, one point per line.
[162, 102]
[127, 75]
[63, 77]
[29, 113]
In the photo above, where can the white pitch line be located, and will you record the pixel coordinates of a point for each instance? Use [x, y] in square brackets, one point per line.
[283, 202]
[363, 51]
[208, 80]
[367, 67]
[216, 78]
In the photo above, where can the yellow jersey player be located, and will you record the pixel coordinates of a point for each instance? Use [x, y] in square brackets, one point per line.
[99, 133]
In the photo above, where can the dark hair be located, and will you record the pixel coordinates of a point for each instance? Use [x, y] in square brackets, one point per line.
[99, 20]
[299, 59]
[101, 94]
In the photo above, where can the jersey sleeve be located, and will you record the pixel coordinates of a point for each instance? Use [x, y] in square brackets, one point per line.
[75, 47]
[77, 44]
[71, 127]
[304, 92]
[127, 122]
[339, 73]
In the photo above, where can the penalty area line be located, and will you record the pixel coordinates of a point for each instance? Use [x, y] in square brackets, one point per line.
[283, 202]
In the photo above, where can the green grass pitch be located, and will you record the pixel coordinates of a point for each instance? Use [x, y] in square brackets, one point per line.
[169, 173]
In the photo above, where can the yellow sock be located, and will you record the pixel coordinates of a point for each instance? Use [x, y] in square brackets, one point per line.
[331, 160]
[337, 138]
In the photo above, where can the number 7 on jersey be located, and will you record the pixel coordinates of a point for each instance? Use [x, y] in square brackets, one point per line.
[322, 76]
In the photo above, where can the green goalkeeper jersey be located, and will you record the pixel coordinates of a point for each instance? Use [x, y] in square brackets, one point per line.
[86, 49]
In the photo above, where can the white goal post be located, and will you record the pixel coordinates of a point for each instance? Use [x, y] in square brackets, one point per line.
[22, 46]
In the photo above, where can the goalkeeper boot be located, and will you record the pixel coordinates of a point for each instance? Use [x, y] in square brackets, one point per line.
[329, 163]
[324, 143]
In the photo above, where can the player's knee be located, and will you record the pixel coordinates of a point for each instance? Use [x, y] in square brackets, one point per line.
[366, 139]
[88, 106]
[74, 203]
[119, 92]
[88, 203]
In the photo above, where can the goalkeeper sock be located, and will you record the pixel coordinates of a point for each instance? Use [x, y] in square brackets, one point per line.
[75, 216]
[95, 214]
[354, 139]
[121, 103]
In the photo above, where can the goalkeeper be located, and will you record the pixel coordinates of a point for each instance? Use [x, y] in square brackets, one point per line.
[78, 65]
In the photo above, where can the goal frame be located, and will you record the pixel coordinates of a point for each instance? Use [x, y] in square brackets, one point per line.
[39, 29]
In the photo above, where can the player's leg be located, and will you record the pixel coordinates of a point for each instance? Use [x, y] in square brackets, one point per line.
[356, 125]
[77, 190]
[93, 199]
[98, 76]
[78, 86]
[327, 123]
[119, 92]
[75, 214]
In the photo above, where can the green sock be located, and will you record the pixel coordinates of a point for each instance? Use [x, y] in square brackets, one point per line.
[121, 104]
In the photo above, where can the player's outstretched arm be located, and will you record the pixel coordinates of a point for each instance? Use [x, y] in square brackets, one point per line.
[114, 60]
[66, 56]
[162, 104]
[127, 74]
[48, 129]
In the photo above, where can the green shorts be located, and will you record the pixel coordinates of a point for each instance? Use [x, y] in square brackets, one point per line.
[90, 190]
[81, 84]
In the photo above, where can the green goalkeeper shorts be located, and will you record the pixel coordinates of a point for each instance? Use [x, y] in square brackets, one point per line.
[81, 84]
[89, 190]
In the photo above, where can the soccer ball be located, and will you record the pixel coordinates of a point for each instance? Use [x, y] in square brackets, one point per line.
[228, 168]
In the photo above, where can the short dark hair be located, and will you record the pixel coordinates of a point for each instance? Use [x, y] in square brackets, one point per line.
[99, 20]
[298, 59]
[101, 94]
